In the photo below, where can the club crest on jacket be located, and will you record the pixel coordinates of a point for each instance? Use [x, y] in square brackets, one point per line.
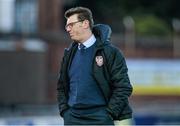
[99, 60]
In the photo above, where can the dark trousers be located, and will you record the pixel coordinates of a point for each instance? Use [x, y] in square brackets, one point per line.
[93, 116]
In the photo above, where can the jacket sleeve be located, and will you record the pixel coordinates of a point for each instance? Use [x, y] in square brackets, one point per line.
[120, 85]
[61, 97]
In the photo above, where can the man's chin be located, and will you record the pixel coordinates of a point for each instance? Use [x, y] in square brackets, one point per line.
[74, 39]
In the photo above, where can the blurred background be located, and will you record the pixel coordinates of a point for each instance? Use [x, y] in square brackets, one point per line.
[32, 42]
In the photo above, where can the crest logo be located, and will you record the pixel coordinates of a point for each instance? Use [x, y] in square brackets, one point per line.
[99, 60]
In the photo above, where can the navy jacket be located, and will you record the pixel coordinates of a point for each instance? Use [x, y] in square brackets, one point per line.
[111, 75]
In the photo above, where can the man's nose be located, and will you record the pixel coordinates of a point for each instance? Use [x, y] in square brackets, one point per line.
[68, 29]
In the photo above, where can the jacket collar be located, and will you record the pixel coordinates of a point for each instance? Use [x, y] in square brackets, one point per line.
[103, 33]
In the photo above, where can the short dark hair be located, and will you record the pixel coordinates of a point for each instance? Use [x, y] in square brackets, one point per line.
[83, 14]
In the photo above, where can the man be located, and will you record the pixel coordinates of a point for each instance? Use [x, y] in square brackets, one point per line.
[93, 87]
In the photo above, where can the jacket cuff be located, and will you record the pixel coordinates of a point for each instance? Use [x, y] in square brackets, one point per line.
[113, 114]
[62, 109]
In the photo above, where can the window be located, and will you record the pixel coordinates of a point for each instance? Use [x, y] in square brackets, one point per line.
[26, 16]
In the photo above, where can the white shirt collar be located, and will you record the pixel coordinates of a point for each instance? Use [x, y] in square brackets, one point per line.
[88, 43]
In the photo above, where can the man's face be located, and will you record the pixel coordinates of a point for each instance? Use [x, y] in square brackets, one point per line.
[74, 27]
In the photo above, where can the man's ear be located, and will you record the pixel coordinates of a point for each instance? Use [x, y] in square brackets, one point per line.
[86, 24]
